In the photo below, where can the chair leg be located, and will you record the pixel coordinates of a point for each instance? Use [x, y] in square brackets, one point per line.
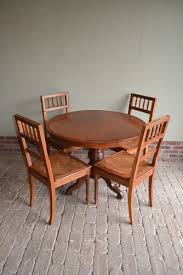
[48, 148]
[87, 189]
[151, 190]
[52, 205]
[131, 204]
[32, 189]
[96, 190]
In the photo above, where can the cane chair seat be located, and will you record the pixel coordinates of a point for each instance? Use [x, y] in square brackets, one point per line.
[63, 165]
[51, 141]
[130, 145]
[121, 165]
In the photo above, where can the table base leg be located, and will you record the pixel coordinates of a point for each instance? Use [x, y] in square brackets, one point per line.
[114, 188]
[74, 186]
[94, 156]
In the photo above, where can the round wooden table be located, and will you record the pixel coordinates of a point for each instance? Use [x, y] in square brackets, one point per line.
[96, 130]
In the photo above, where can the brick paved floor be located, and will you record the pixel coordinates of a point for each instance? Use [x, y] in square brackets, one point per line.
[85, 240]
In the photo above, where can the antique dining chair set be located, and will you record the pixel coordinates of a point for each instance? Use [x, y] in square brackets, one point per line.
[131, 165]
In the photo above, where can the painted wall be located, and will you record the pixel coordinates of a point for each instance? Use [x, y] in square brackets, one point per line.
[99, 50]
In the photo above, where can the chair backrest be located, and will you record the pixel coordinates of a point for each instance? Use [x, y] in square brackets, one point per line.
[149, 144]
[31, 132]
[54, 102]
[143, 104]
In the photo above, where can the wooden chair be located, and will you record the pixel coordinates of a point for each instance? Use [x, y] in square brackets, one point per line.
[55, 170]
[143, 104]
[129, 170]
[52, 103]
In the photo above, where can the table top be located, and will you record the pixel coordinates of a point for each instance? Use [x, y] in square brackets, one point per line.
[94, 128]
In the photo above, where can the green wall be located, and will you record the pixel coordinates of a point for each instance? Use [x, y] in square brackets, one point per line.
[98, 50]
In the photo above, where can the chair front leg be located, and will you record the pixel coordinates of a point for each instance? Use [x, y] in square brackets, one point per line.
[32, 189]
[87, 188]
[131, 204]
[151, 190]
[52, 204]
[96, 177]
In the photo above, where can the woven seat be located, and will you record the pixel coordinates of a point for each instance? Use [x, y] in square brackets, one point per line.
[121, 164]
[62, 165]
[130, 146]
